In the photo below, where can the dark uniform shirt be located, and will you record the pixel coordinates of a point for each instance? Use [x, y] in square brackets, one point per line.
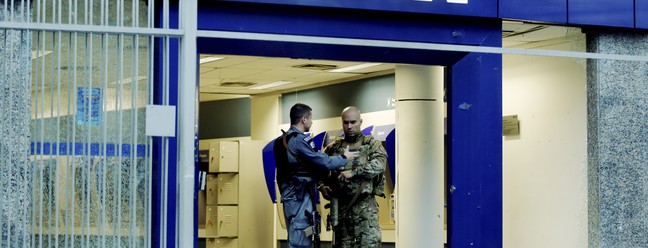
[298, 192]
[304, 147]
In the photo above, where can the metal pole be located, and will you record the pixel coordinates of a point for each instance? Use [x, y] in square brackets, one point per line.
[186, 122]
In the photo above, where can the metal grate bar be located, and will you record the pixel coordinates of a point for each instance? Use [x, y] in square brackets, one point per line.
[104, 134]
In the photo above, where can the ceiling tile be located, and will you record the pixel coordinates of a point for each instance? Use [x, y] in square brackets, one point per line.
[230, 73]
[277, 75]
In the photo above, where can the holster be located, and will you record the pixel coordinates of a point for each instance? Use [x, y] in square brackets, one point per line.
[304, 185]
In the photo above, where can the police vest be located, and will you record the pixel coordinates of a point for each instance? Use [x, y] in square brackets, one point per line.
[286, 170]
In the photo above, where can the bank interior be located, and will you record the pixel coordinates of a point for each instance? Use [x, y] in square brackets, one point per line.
[544, 138]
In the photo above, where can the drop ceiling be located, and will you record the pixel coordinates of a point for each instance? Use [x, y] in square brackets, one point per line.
[231, 76]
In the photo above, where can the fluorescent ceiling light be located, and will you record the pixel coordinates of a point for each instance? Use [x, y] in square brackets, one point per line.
[355, 67]
[39, 53]
[271, 85]
[209, 59]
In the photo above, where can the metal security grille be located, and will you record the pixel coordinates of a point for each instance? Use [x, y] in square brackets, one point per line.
[78, 167]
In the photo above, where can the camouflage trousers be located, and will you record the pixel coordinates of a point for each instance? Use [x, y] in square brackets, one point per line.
[359, 225]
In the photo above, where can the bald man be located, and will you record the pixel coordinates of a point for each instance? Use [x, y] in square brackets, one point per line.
[354, 189]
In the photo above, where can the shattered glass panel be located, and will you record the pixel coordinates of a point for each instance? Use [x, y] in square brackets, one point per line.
[91, 175]
[15, 172]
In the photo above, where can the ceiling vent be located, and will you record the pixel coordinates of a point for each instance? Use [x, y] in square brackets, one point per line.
[237, 84]
[319, 67]
[525, 29]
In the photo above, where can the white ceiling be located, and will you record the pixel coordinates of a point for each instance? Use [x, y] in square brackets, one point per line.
[234, 76]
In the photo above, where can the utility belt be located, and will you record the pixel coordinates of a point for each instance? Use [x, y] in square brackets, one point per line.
[294, 175]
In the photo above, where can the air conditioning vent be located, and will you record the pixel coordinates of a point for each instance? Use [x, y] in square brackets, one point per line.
[319, 67]
[237, 84]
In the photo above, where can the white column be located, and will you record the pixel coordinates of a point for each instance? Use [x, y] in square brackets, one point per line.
[419, 156]
[187, 129]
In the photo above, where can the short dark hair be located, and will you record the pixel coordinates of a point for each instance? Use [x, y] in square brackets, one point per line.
[298, 111]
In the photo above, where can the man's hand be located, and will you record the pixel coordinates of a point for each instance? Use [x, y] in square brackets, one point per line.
[345, 175]
[349, 154]
[326, 192]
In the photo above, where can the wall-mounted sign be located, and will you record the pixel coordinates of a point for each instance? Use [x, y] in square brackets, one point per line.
[89, 106]
[510, 125]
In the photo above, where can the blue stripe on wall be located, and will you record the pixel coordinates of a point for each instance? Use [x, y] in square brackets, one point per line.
[91, 149]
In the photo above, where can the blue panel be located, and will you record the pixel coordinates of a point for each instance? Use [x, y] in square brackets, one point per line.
[156, 195]
[367, 131]
[641, 14]
[390, 146]
[269, 168]
[172, 179]
[319, 140]
[342, 23]
[614, 13]
[172, 141]
[536, 10]
[475, 151]
[381, 132]
[480, 8]
[156, 169]
[319, 51]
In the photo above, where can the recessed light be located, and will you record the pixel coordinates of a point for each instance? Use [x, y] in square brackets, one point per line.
[355, 67]
[209, 59]
[271, 85]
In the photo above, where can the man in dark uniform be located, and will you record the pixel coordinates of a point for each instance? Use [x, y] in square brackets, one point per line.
[297, 177]
[356, 185]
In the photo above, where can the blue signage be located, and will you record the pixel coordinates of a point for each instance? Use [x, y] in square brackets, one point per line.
[89, 106]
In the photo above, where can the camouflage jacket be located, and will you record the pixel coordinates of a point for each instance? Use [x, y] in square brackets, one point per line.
[368, 167]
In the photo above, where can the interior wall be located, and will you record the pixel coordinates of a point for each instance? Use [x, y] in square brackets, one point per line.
[225, 118]
[545, 166]
[265, 112]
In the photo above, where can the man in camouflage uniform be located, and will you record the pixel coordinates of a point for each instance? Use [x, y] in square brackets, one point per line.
[357, 185]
